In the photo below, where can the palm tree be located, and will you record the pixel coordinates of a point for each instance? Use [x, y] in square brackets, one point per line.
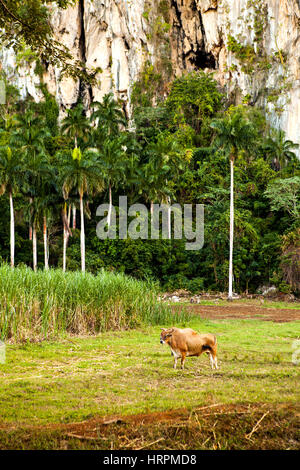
[164, 164]
[65, 202]
[155, 183]
[233, 133]
[77, 127]
[133, 175]
[66, 216]
[44, 202]
[81, 171]
[10, 180]
[40, 181]
[109, 115]
[278, 149]
[112, 159]
[28, 136]
[110, 142]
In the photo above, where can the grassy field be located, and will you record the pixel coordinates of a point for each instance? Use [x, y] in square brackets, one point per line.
[47, 387]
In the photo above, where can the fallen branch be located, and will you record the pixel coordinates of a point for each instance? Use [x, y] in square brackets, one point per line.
[248, 436]
[151, 444]
[227, 413]
[114, 420]
[88, 438]
[130, 443]
[206, 407]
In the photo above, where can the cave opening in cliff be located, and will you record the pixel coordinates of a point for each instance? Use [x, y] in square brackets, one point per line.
[202, 60]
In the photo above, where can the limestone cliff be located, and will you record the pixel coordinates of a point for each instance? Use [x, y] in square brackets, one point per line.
[252, 46]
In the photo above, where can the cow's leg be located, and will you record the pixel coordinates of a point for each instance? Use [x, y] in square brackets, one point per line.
[183, 354]
[213, 358]
[175, 358]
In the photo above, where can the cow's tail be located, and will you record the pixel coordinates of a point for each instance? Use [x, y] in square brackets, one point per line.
[209, 348]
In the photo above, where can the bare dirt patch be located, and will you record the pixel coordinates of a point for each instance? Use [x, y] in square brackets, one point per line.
[242, 311]
[242, 426]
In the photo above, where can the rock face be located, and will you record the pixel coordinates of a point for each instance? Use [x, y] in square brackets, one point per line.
[252, 46]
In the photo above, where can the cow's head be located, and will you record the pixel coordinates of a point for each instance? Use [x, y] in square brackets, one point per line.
[166, 335]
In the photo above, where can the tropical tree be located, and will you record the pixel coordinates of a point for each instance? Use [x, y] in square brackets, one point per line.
[284, 194]
[166, 160]
[43, 203]
[111, 143]
[290, 259]
[133, 174]
[75, 125]
[77, 128]
[38, 178]
[81, 171]
[61, 158]
[10, 181]
[108, 115]
[109, 118]
[193, 98]
[66, 216]
[28, 136]
[233, 134]
[279, 150]
[112, 159]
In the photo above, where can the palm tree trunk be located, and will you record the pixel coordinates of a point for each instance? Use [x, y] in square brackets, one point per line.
[231, 231]
[65, 248]
[169, 218]
[12, 231]
[110, 206]
[151, 211]
[82, 235]
[74, 217]
[30, 226]
[69, 215]
[45, 243]
[34, 247]
[66, 220]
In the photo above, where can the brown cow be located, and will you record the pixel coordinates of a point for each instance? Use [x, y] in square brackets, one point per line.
[187, 342]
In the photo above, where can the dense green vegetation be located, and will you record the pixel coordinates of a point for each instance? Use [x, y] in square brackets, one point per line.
[48, 304]
[54, 175]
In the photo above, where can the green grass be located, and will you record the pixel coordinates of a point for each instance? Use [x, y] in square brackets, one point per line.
[46, 304]
[129, 372]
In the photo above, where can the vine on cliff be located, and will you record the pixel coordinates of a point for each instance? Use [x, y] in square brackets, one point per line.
[252, 57]
[157, 71]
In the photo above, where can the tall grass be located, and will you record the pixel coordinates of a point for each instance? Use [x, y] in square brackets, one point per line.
[44, 304]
